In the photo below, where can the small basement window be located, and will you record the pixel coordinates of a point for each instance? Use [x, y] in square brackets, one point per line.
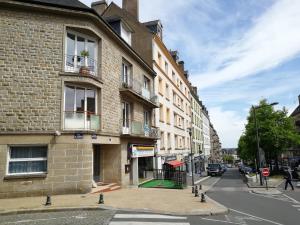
[24, 160]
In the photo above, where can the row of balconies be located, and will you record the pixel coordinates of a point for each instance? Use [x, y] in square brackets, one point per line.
[86, 121]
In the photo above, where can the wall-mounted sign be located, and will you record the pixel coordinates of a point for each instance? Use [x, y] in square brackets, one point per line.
[170, 158]
[94, 136]
[142, 151]
[78, 136]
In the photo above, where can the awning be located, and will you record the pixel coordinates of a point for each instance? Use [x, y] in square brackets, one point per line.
[175, 163]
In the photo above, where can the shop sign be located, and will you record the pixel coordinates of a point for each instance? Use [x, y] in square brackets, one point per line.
[142, 151]
[170, 158]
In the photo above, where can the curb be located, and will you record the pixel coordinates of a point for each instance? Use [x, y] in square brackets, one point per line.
[266, 192]
[44, 210]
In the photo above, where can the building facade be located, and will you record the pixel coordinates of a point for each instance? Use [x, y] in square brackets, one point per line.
[206, 134]
[197, 125]
[216, 147]
[173, 116]
[73, 110]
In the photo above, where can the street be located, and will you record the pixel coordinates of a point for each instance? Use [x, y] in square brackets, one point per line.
[246, 208]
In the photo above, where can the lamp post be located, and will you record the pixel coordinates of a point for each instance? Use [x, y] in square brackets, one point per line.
[192, 160]
[258, 152]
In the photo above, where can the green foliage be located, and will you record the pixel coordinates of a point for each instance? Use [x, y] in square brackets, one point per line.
[277, 132]
[228, 158]
[85, 53]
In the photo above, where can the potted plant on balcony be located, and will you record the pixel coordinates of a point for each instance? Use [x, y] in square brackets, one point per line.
[85, 70]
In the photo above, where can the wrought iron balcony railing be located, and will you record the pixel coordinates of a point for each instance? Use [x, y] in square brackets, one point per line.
[79, 64]
[135, 128]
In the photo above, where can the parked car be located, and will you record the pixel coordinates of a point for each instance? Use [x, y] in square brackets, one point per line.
[214, 169]
[224, 168]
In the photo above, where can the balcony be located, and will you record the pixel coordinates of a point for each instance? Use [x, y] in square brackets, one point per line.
[134, 89]
[85, 66]
[138, 129]
[79, 121]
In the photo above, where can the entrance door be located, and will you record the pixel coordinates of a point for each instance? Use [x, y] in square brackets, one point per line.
[96, 161]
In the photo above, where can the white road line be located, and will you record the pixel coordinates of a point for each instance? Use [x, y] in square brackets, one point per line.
[147, 216]
[294, 200]
[221, 221]
[270, 221]
[145, 223]
[296, 206]
[36, 220]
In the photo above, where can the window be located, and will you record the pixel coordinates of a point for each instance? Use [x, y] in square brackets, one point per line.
[176, 141]
[125, 34]
[27, 160]
[161, 113]
[174, 97]
[159, 59]
[126, 73]
[80, 108]
[146, 118]
[168, 115]
[162, 140]
[81, 51]
[126, 114]
[160, 86]
[146, 88]
[169, 140]
[166, 67]
[167, 91]
[173, 77]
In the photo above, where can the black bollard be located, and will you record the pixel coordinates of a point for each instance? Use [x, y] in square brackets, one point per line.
[193, 189]
[200, 187]
[203, 198]
[101, 199]
[196, 192]
[48, 200]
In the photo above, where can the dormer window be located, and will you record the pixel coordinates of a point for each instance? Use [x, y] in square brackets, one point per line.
[125, 33]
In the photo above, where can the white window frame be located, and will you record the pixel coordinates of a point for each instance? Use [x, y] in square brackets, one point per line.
[126, 79]
[86, 38]
[126, 34]
[25, 160]
[85, 102]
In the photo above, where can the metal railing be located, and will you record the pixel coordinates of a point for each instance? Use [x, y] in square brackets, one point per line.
[137, 128]
[81, 121]
[178, 176]
[80, 64]
[138, 88]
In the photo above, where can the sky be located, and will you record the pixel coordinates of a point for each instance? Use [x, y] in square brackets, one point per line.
[237, 52]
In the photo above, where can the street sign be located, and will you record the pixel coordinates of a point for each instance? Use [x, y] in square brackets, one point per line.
[265, 172]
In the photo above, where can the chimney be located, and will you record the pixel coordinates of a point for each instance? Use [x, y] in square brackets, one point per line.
[132, 7]
[174, 55]
[195, 90]
[181, 65]
[99, 6]
[186, 74]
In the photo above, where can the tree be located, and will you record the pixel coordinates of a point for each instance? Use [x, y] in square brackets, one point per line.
[277, 133]
[228, 158]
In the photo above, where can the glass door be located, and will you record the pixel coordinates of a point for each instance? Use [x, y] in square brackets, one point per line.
[126, 118]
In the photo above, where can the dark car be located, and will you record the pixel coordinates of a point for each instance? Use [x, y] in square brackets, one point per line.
[214, 169]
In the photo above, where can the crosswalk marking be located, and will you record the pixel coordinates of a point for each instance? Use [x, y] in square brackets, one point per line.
[145, 223]
[147, 216]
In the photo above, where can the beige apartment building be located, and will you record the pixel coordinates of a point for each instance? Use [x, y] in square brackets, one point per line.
[77, 102]
[197, 125]
[171, 83]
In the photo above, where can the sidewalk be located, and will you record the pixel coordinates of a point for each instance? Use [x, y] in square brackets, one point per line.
[164, 201]
[197, 177]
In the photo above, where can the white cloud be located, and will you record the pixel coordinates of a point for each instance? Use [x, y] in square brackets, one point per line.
[273, 40]
[228, 124]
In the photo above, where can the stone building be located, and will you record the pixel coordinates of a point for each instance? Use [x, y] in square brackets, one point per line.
[216, 147]
[174, 114]
[206, 134]
[72, 107]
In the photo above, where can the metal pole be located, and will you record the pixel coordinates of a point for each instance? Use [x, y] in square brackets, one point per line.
[258, 150]
[192, 160]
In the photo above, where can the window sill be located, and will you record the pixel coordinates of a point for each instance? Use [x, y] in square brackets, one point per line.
[76, 74]
[25, 176]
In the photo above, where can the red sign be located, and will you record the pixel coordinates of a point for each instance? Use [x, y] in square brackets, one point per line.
[265, 172]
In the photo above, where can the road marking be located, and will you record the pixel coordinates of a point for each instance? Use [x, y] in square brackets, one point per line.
[147, 216]
[145, 223]
[270, 221]
[294, 200]
[36, 220]
[296, 206]
[221, 221]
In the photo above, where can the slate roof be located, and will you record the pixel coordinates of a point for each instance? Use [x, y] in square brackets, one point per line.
[296, 111]
[62, 3]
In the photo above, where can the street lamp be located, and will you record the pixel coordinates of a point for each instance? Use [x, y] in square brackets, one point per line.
[192, 160]
[258, 164]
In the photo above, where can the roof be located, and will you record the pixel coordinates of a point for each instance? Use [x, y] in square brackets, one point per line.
[62, 3]
[296, 111]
